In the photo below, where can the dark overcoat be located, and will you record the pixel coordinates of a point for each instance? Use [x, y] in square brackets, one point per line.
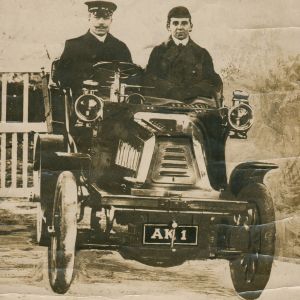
[182, 72]
[80, 54]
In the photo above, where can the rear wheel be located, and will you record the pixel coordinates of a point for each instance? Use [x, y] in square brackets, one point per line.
[61, 252]
[250, 272]
[42, 237]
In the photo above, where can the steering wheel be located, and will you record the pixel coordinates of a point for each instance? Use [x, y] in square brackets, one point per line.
[125, 69]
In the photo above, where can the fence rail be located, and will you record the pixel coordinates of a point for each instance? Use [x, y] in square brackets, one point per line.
[17, 140]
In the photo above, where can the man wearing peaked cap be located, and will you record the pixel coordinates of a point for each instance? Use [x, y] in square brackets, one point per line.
[80, 54]
[179, 68]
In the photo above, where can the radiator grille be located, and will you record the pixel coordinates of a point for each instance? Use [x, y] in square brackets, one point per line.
[127, 156]
[174, 163]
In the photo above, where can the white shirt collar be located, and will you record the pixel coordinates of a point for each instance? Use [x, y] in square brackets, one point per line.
[99, 38]
[183, 42]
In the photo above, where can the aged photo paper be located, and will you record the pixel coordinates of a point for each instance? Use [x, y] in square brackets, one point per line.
[255, 48]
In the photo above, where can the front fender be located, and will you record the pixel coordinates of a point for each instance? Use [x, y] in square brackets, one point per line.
[50, 159]
[45, 147]
[63, 161]
[51, 153]
[249, 172]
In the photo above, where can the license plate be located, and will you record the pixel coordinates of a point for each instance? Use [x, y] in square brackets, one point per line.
[162, 234]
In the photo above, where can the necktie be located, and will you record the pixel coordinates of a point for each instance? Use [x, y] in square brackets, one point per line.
[180, 48]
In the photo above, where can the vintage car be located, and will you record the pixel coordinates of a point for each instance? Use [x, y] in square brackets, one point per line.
[151, 172]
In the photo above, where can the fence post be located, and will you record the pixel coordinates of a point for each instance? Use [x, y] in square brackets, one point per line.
[4, 98]
[3, 159]
[25, 135]
[3, 135]
[14, 160]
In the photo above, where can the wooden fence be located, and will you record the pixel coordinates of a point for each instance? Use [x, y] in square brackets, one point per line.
[17, 139]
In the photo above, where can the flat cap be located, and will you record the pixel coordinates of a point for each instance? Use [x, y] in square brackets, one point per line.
[179, 12]
[105, 6]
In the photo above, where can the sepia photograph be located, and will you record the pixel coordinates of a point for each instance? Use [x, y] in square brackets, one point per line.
[150, 150]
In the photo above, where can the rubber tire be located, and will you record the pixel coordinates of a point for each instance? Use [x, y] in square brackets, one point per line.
[61, 252]
[41, 228]
[42, 236]
[257, 193]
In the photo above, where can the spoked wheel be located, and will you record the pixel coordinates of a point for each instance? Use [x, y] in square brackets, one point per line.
[250, 272]
[61, 252]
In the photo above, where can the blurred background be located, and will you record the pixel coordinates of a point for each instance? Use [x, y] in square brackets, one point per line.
[243, 33]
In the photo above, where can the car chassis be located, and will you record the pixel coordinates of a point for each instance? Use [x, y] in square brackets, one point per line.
[152, 171]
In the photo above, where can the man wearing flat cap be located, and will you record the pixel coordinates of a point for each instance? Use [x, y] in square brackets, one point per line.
[80, 54]
[179, 68]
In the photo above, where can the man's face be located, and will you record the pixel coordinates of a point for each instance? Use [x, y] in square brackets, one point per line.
[99, 24]
[180, 28]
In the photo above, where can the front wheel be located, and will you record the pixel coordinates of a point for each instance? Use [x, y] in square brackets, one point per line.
[61, 252]
[250, 272]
